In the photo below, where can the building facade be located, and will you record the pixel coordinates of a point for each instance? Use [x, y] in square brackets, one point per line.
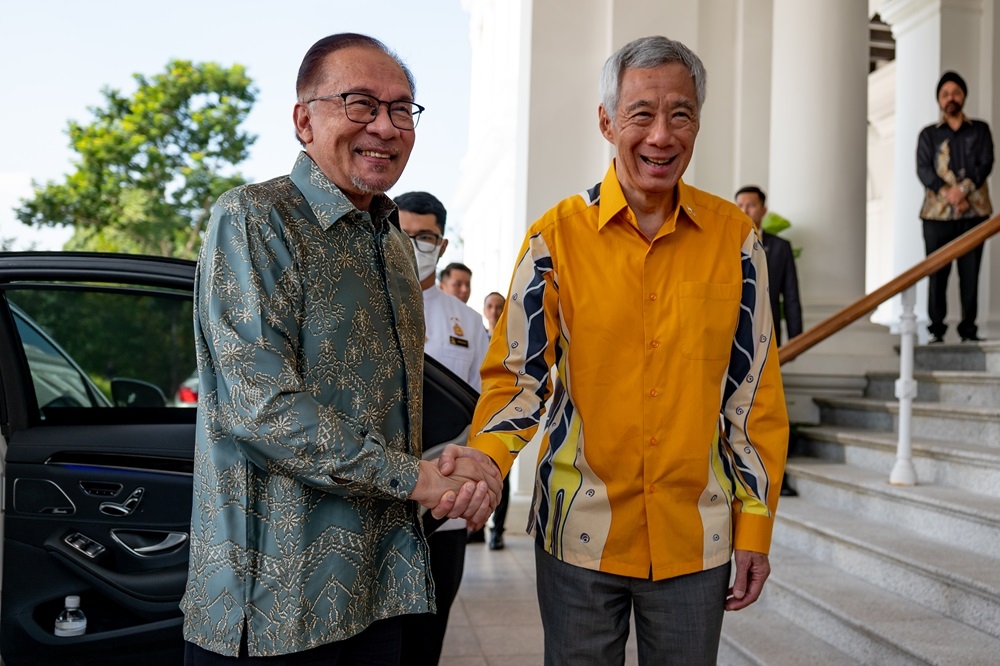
[793, 106]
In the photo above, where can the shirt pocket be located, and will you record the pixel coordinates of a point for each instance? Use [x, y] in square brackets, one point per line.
[458, 360]
[708, 319]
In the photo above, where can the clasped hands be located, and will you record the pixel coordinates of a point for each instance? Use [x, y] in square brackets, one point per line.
[957, 198]
[463, 483]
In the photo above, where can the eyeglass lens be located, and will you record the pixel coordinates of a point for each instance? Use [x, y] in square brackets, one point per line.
[426, 242]
[363, 108]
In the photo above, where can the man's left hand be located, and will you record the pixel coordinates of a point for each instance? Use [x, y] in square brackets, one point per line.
[474, 464]
[752, 569]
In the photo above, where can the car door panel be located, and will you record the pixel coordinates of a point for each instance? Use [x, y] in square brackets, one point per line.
[77, 552]
[72, 522]
[93, 490]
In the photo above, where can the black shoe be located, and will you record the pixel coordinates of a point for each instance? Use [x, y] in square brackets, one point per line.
[936, 340]
[787, 490]
[476, 537]
[496, 540]
[974, 338]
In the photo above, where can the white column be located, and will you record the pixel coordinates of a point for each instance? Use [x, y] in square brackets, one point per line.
[818, 144]
[989, 299]
[818, 154]
[752, 107]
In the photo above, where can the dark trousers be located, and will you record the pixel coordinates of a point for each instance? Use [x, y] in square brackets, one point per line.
[937, 234]
[585, 615]
[423, 634]
[377, 645]
[500, 513]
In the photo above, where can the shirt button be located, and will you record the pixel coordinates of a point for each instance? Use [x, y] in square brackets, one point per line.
[652, 441]
[654, 344]
[651, 489]
[652, 297]
[653, 393]
[394, 483]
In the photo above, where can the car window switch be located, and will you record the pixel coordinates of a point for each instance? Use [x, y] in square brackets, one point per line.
[84, 544]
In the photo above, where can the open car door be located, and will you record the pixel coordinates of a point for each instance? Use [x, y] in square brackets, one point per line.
[97, 468]
[96, 361]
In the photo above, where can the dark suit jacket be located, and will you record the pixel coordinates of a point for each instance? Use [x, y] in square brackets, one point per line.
[784, 283]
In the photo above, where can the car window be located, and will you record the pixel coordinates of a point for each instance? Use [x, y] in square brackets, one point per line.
[101, 347]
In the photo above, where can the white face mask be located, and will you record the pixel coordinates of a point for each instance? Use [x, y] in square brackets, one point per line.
[426, 262]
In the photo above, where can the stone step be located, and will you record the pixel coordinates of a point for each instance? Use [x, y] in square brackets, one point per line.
[981, 356]
[973, 467]
[869, 413]
[944, 515]
[869, 624]
[756, 636]
[960, 584]
[974, 389]
[930, 420]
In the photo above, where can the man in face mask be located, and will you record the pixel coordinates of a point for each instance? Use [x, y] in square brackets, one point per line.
[456, 337]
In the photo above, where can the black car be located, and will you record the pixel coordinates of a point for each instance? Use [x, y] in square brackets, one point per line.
[97, 460]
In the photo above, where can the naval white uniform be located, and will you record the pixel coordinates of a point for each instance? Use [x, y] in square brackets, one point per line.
[456, 336]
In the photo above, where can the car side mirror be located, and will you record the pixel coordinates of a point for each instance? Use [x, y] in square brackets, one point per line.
[136, 393]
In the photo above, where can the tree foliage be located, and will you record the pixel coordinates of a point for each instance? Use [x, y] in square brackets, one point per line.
[151, 165]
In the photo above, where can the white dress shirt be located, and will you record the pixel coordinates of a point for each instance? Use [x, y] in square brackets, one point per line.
[457, 339]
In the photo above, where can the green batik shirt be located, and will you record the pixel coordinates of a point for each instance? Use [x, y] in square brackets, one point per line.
[310, 334]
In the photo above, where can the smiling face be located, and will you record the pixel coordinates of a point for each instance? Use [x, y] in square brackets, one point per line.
[362, 160]
[653, 130]
[951, 99]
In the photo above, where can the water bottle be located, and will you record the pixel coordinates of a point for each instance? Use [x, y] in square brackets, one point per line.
[71, 621]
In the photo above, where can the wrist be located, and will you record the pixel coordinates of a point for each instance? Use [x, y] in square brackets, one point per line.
[421, 490]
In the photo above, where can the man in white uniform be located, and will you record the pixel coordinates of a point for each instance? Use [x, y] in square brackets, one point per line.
[456, 337]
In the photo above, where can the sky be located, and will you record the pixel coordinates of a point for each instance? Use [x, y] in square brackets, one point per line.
[57, 55]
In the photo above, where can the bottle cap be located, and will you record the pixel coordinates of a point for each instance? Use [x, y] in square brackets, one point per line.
[72, 601]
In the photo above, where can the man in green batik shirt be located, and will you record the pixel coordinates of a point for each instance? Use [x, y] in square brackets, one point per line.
[310, 336]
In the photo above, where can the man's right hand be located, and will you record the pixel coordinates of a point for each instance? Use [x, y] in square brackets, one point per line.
[464, 493]
[465, 461]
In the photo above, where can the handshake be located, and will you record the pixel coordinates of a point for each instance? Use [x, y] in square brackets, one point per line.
[462, 483]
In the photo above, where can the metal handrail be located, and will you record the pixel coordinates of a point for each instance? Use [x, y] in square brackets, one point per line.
[934, 261]
[903, 472]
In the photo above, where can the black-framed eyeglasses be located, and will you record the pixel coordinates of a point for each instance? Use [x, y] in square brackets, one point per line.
[425, 241]
[362, 108]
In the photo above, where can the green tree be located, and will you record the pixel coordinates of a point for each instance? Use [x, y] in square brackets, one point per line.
[151, 165]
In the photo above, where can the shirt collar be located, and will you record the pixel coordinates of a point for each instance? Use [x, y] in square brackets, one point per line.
[612, 202]
[966, 120]
[329, 204]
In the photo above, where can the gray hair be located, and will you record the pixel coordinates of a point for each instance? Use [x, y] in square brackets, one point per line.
[646, 53]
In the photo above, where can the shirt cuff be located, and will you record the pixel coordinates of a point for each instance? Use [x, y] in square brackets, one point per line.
[398, 477]
[492, 446]
[752, 532]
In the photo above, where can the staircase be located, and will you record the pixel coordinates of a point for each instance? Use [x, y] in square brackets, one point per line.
[868, 573]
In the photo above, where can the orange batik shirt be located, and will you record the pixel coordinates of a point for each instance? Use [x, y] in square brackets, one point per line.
[666, 436]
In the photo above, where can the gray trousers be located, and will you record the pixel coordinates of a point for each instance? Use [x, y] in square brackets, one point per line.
[585, 615]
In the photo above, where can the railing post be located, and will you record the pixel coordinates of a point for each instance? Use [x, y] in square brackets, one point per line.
[903, 473]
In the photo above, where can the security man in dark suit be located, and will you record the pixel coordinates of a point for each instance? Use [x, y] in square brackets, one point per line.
[781, 273]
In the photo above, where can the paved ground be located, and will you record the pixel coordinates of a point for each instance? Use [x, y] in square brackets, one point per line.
[495, 621]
